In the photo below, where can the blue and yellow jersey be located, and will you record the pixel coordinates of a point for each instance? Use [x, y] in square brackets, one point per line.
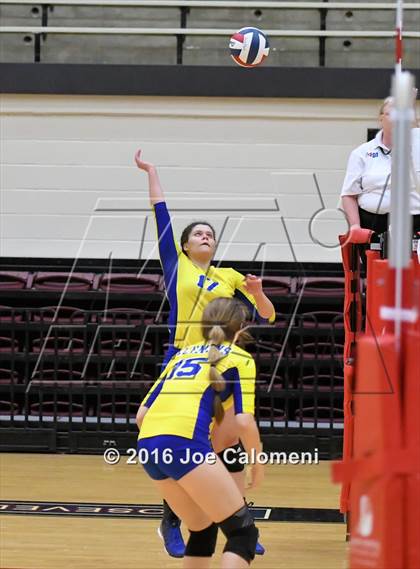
[190, 289]
[181, 400]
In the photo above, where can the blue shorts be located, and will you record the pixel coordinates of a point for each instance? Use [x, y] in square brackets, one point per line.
[170, 456]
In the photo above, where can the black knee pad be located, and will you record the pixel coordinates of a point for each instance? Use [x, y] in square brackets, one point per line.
[229, 456]
[241, 534]
[202, 543]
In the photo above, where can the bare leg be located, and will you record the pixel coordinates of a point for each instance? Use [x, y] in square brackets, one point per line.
[198, 509]
[230, 560]
[221, 499]
[189, 512]
[224, 436]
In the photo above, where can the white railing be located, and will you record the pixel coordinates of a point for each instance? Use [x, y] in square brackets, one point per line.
[200, 32]
[217, 4]
[39, 32]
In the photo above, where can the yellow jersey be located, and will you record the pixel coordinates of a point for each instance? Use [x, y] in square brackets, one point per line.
[181, 400]
[189, 288]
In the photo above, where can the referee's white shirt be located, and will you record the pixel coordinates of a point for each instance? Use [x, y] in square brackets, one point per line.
[368, 175]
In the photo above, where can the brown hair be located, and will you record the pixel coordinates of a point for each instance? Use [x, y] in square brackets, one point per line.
[222, 319]
[185, 235]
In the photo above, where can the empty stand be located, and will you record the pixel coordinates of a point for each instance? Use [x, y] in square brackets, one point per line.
[71, 282]
[58, 408]
[8, 344]
[14, 280]
[319, 414]
[10, 315]
[8, 376]
[126, 316]
[64, 377]
[321, 286]
[319, 350]
[130, 283]
[94, 362]
[322, 382]
[9, 408]
[59, 345]
[60, 315]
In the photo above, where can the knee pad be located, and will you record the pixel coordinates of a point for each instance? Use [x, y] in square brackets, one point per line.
[202, 543]
[229, 456]
[241, 534]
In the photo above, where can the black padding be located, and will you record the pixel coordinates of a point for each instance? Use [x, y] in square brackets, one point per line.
[243, 542]
[202, 543]
[241, 534]
[232, 455]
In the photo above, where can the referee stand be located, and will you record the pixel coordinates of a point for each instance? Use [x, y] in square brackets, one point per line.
[380, 470]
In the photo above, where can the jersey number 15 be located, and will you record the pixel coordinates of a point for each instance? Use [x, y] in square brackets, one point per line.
[186, 368]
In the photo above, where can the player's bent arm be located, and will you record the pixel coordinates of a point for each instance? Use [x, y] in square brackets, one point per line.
[250, 439]
[140, 415]
[248, 432]
[264, 306]
[250, 292]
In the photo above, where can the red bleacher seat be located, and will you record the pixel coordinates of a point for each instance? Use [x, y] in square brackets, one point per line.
[265, 379]
[64, 314]
[73, 282]
[62, 344]
[7, 376]
[129, 282]
[57, 409]
[123, 346]
[13, 280]
[125, 380]
[9, 408]
[319, 351]
[264, 350]
[10, 314]
[321, 286]
[320, 414]
[271, 413]
[321, 382]
[277, 286]
[324, 319]
[8, 344]
[63, 377]
[118, 409]
[129, 316]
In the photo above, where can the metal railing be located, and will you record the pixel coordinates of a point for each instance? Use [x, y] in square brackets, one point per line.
[39, 33]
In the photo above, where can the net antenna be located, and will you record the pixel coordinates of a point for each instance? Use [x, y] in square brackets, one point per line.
[398, 37]
[400, 251]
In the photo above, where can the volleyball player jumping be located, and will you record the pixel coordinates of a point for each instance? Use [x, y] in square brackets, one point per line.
[191, 283]
[174, 421]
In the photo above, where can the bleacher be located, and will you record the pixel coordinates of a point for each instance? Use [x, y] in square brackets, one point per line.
[310, 34]
[79, 350]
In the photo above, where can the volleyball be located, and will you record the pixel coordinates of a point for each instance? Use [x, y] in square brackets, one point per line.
[249, 47]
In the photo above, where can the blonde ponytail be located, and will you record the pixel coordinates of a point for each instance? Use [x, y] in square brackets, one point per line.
[222, 321]
[217, 382]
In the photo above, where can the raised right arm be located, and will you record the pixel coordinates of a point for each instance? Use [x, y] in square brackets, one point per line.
[155, 189]
[168, 248]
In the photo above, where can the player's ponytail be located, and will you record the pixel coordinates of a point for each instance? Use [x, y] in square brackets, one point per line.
[216, 337]
[223, 319]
